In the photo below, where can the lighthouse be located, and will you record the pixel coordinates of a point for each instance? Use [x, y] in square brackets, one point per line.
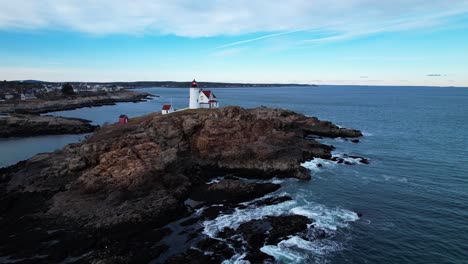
[194, 96]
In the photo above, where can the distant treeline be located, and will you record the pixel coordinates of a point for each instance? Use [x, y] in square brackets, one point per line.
[169, 84]
[18, 85]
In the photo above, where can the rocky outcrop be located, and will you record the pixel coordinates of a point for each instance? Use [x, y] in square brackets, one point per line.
[249, 237]
[128, 179]
[17, 125]
[232, 191]
[40, 106]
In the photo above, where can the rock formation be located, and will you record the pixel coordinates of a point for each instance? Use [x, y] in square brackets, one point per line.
[17, 125]
[128, 181]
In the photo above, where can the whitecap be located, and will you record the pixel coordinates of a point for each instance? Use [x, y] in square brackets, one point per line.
[327, 218]
[215, 180]
[236, 259]
[277, 181]
[239, 216]
[282, 254]
[296, 249]
[313, 165]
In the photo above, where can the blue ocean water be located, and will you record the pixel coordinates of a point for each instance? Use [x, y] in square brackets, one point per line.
[413, 196]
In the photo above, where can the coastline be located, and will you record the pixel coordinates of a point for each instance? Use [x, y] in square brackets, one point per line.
[19, 125]
[134, 179]
[24, 119]
[41, 106]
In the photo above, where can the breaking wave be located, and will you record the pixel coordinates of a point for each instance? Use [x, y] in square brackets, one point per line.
[317, 164]
[239, 216]
[299, 250]
[326, 218]
[295, 249]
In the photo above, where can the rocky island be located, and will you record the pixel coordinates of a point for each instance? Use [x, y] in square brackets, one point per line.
[113, 197]
[18, 125]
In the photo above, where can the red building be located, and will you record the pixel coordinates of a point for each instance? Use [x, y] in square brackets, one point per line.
[123, 119]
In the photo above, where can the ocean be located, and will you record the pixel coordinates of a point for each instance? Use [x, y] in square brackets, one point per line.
[413, 196]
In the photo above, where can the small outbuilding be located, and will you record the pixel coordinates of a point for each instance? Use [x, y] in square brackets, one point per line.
[167, 109]
[123, 119]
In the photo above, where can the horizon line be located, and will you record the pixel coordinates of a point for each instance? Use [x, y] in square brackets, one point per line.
[253, 83]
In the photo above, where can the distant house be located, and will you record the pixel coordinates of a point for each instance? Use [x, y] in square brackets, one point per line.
[167, 109]
[207, 99]
[27, 96]
[123, 119]
[8, 96]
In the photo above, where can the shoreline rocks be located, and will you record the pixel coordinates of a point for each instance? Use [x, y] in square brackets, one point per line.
[17, 125]
[130, 181]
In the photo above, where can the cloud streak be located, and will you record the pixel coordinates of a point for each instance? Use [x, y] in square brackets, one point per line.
[190, 18]
[260, 38]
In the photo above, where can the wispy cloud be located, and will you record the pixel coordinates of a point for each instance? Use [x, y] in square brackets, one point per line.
[431, 20]
[260, 38]
[192, 18]
[435, 75]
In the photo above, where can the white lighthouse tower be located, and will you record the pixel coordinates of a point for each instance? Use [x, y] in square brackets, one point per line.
[194, 96]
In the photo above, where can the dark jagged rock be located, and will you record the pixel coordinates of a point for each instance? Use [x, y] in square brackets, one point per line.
[361, 159]
[355, 140]
[194, 256]
[17, 125]
[267, 231]
[219, 247]
[232, 191]
[127, 179]
[271, 201]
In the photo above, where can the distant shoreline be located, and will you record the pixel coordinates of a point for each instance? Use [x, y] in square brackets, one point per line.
[41, 106]
[175, 84]
[172, 84]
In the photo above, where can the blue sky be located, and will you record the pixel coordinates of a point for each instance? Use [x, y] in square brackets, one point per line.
[368, 42]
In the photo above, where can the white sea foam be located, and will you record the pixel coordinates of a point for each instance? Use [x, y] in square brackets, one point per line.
[353, 161]
[312, 164]
[367, 134]
[283, 254]
[296, 249]
[327, 218]
[239, 216]
[215, 180]
[277, 181]
[236, 259]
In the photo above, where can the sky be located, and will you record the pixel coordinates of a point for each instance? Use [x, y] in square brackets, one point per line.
[355, 42]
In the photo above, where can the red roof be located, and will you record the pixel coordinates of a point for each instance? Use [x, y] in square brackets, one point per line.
[208, 93]
[166, 107]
